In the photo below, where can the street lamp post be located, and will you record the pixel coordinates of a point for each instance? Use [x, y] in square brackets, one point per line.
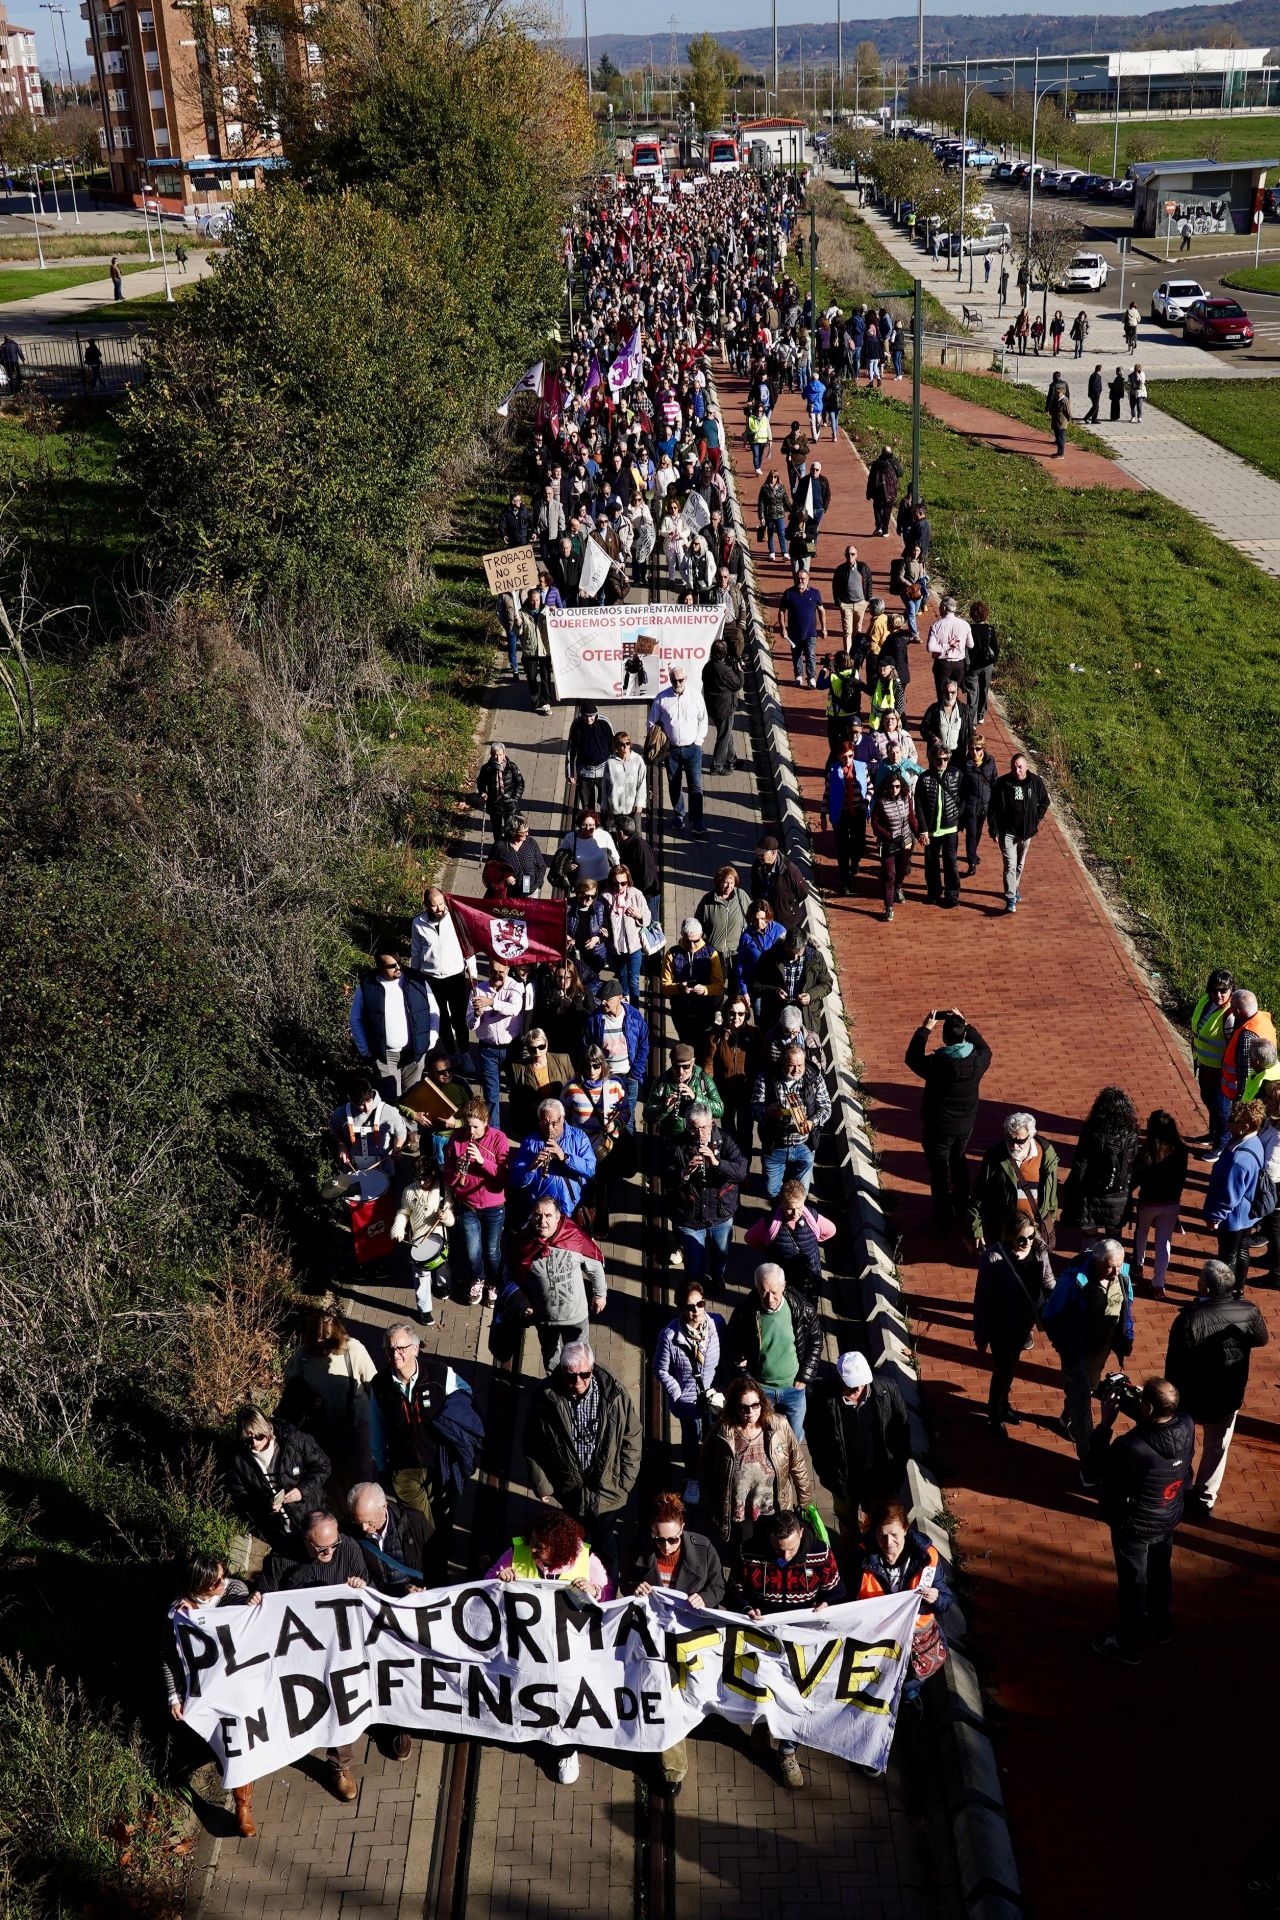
[1036, 98]
[71, 175]
[35, 220]
[916, 295]
[164, 258]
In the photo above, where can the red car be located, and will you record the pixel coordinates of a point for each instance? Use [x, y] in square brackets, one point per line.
[1217, 323]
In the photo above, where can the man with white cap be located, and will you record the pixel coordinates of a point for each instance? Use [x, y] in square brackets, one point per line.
[693, 981]
[859, 1435]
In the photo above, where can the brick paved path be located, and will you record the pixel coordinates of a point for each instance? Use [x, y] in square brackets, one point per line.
[1077, 467]
[1115, 1778]
[742, 1841]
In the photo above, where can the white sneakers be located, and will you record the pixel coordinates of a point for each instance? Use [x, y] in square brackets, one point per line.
[567, 1769]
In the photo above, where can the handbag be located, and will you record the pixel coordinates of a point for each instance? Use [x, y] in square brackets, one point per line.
[656, 745]
[653, 939]
[928, 1647]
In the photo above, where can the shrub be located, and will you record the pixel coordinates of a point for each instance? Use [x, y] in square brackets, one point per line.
[84, 1825]
[233, 1332]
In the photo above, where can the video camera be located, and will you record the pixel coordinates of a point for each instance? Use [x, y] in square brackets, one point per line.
[1117, 1390]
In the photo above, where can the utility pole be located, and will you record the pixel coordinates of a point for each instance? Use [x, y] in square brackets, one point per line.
[45, 7]
[775, 57]
[813, 269]
[920, 40]
[586, 48]
[840, 52]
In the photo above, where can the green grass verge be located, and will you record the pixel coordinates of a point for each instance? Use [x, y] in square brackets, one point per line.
[124, 313]
[853, 264]
[1018, 402]
[66, 507]
[1155, 742]
[25, 283]
[1241, 415]
[1254, 279]
[1243, 137]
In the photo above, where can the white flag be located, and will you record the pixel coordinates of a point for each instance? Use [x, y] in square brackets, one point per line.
[530, 382]
[628, 365]
[695, 514]
[595, 569]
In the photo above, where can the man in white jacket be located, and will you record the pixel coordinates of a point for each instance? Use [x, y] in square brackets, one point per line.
[681, 713]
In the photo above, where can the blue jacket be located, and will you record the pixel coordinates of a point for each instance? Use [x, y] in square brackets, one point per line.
[1229, 1201]
[836, 796]
[752, 948]
[636, 1029]
[565, 1188]
[674, 1366]
[368, 1027]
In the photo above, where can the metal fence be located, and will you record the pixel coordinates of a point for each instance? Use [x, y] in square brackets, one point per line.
[82, 363]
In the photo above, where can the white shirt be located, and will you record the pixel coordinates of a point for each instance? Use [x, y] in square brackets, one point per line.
[596, 857]
[436, 950]
[682, 716]
[951, 637]
[394, 1016]
[624, 782]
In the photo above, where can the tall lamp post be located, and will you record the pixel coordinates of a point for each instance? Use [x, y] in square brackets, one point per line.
[964, 163]
[1036, 98]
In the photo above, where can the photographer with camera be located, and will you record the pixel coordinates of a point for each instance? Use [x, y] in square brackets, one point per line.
[952, 1077]
[1144, 1475]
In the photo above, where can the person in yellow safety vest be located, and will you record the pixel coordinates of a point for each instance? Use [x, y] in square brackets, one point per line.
[1211, 1024]
[1264, 1067]
[844, 701]
[759, 435]
[938, 812]
[1237, 1055]
[556, 1549]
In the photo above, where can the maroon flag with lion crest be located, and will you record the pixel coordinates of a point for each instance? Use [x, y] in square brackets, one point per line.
[526, 933]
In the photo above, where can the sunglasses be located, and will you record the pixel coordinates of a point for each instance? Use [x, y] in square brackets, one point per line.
[538, 1046]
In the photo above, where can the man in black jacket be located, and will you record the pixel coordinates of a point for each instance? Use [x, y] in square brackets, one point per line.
[582, 1445]
[1019, 802]
[277, 1476]
[1144, 1476]
[394, 1542]
[425, 1435]
[883, 476]
[324, 1559]
[938, 810]
[703, 1171]
[721, 684]
[859, 1435]
[1208, 1362]
[779, 881]
[516, 525]
[952, 1078]
[776, 1337]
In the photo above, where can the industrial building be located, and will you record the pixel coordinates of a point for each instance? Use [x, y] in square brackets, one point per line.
[1209, 196]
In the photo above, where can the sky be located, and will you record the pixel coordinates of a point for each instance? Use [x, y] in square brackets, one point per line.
[625, 16]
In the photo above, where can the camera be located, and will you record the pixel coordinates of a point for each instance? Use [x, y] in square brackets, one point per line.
[1117, 1390]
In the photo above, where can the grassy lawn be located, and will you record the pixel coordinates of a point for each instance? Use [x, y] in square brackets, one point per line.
[1243, 137]
[1254, 279]
[1155, 742]
[1019, 402]
[24, 283]
[124, 312]
[1242, 415]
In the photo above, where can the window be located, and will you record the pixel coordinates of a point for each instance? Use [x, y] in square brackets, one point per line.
[161, 137]
[118, 99]
[222, 16]
[147, 21]
[124, 136]
[230, 99]
[152, 61]
[114, 62]
[313, 54]
[156, 97]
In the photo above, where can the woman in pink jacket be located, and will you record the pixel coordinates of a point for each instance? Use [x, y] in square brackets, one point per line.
[793, 1235]
[475, 1172]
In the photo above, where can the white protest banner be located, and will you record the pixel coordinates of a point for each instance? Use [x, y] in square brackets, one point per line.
[595, 568]
[511, 570]
[533, 1660]
[626, 652]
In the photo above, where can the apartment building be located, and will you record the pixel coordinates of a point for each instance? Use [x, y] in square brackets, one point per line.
[170, 74]
[19, 71]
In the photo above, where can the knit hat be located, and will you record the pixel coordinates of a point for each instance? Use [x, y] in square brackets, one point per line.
[854, 1370]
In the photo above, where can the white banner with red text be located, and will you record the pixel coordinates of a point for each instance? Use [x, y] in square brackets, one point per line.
[627, 652]
[535, 1660]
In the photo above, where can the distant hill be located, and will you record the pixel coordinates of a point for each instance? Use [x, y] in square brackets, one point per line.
[953, 36]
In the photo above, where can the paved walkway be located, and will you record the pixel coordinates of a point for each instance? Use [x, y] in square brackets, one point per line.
[1100, 1765]
[1077, 467]
[1230, 496]
[23, 318]
[537, 1850]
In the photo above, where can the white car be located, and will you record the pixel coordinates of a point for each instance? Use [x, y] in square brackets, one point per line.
[1084, 270]
[1171, 299]
[983, 211]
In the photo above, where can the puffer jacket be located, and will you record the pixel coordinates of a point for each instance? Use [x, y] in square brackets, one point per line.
[1208, 1358]
[742, 1338]
[674, 1364]
[1144, 1475]
[792, 1471]
[932, 788]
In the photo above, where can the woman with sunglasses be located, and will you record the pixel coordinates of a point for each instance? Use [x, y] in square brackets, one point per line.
[676, 1561]
[686, 1361]
[752, 1465]
[1014, 1280]
[537, 1070]
[277, 1474]
[729, 1056]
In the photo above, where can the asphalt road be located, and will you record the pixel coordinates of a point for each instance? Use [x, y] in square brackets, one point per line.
[1143, 275]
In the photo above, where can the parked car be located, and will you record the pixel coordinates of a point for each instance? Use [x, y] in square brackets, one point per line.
[1066, 179]
[1217, 323]
[983, 210]
[1084, 270]
[1004, 171]
[1171, 299]
[993, 237]
[1082, 188]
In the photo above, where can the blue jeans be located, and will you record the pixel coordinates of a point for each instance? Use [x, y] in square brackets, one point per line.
[686, 763]
[776, 530]
[791, 1401]
[757, 453]
[628, 972]
[482, 1243]
[706, 1251]
[691, 1434]
[490, 1061]
[786, 1163]
[834, 421]
[804, 655]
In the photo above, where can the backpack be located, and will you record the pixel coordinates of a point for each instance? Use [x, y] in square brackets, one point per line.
[1263, 1203]
[1064, 1297]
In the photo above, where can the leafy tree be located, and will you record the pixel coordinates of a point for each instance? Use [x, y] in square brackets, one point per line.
[706, 87]
[866, 60]
[606, 73]
[76, 134]
[1140, 146]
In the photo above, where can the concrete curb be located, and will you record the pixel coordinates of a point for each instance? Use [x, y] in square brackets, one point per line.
[988, 1871]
